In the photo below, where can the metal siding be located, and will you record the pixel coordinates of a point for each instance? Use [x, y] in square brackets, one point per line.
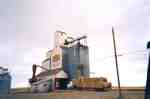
[73, 61]
[84, 59]
[64, 59]
[72, 71]
[5, 83]
[72, 58]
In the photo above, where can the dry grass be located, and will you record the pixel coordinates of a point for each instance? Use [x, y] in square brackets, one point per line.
[27, 89]
[139, 88]
[20, 90]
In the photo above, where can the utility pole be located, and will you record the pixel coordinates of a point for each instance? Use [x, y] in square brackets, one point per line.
[147, 88]
[116, 61]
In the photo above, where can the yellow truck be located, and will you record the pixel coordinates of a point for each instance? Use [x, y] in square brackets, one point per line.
[98, 84]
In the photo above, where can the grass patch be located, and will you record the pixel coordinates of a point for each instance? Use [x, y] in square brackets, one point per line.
[20, 90]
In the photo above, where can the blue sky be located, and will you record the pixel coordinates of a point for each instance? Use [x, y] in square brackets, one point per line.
[27, 29]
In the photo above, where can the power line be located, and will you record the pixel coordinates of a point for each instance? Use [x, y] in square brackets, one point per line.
[122, 54]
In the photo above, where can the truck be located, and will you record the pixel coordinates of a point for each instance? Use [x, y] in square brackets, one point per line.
[97, 84]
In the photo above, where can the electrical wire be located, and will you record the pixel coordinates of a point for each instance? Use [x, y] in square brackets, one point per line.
[136, 52]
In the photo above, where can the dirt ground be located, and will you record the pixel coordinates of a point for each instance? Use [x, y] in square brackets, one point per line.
[74, 94]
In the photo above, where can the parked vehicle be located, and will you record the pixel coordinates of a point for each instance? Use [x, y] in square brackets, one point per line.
[98, 84]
